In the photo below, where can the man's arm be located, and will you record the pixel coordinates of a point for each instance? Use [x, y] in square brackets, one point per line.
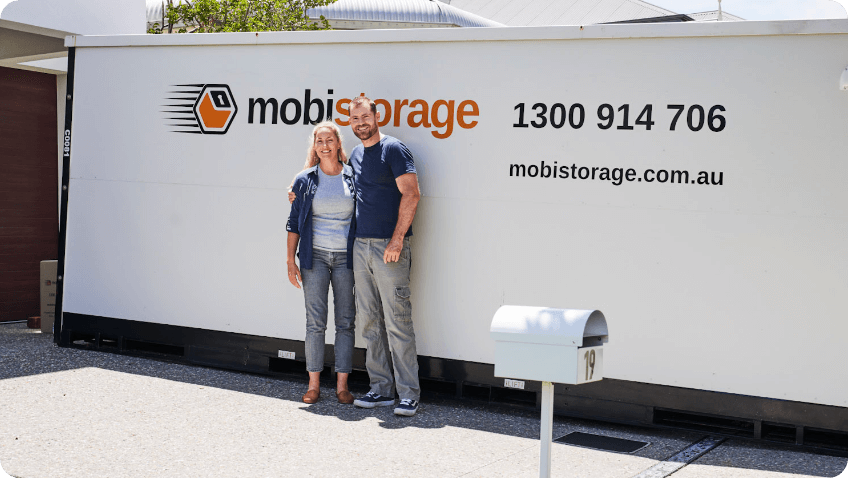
[408, 186]
[292, 226]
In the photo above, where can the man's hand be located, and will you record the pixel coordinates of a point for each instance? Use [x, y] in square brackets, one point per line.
[410, 195]
[291, 196]
[392, 253]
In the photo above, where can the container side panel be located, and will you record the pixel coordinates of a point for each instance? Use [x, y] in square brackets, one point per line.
[713, 248]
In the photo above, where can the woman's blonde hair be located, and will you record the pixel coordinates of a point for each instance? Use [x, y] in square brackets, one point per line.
[311, 156]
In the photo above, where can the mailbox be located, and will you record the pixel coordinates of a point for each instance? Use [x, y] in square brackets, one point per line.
[549, 345]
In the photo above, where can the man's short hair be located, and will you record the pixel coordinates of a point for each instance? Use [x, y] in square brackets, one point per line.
[362, 101]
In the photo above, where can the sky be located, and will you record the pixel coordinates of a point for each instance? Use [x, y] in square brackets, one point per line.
[761, 9]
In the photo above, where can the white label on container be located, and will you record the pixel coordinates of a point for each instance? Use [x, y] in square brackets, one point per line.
[285, 354]
[519, 384]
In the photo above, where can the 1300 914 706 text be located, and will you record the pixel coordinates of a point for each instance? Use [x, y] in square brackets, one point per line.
[609, 117]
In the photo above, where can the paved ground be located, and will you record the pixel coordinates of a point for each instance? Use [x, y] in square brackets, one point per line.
[77, 413]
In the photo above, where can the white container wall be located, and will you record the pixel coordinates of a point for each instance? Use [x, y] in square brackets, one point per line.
[707, 220]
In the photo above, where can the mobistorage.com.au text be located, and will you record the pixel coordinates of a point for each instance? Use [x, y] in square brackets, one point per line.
[617, 176]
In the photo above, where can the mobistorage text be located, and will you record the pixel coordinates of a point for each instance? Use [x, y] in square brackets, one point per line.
[441, 116]
[615, 175]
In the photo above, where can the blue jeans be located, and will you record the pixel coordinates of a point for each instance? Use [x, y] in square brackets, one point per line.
[329, 267]
[384, 312]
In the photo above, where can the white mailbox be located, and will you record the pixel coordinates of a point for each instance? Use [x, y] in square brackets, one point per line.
[549, 345]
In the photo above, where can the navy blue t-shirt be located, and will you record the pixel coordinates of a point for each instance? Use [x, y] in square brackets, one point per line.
[377, 196]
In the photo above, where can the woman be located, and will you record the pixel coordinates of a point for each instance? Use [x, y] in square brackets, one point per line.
[320, 220]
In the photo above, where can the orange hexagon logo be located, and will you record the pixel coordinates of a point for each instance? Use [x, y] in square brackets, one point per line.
[201, 108]
[215, 109]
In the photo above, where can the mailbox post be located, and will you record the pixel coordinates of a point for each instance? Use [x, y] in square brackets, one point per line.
[549, 345]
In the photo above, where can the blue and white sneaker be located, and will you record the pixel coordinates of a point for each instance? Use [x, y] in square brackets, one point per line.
[407, 407]
[371, 400]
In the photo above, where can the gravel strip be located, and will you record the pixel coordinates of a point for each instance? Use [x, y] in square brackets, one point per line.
[79, 413]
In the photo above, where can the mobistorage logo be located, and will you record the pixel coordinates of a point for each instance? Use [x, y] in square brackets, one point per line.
[210, 109]
[441, 116]
[201, 108]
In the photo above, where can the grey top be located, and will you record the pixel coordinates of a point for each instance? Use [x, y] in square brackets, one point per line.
[332, 210]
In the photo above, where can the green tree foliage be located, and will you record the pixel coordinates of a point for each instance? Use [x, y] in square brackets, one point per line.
[215, 16]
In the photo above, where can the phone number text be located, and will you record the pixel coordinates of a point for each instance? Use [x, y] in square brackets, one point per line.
[558, 115]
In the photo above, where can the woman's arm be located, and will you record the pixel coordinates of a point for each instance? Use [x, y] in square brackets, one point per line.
[294, 272]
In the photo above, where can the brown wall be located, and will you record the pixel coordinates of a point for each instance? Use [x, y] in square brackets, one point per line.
[29, 224]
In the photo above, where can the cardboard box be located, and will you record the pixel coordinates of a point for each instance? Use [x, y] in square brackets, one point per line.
[48, 295]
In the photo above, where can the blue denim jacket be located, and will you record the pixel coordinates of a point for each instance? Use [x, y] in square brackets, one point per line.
[300, 217]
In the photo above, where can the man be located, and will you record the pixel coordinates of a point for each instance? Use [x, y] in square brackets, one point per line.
[386, 200]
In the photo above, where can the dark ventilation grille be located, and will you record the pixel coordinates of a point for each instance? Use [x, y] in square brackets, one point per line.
[705, 423]
[359, 378]
[438, 388]
[151, 348]
[83, 340]
[107, 342]
[286, 366]
[513, 396]
[599, 442]
[829, 439]
[476, 392]
[779, 433]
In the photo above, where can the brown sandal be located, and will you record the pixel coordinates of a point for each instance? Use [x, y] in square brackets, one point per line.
[311, 396]
[345, 397]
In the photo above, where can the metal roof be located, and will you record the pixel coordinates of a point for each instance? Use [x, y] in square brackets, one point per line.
[560, 12]
[360, 14]
[154, 11]
[403, 13]
[378, 14]
[155, 8]
[713, 17]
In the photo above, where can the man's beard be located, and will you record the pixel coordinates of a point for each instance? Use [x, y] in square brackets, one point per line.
[364, 135]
